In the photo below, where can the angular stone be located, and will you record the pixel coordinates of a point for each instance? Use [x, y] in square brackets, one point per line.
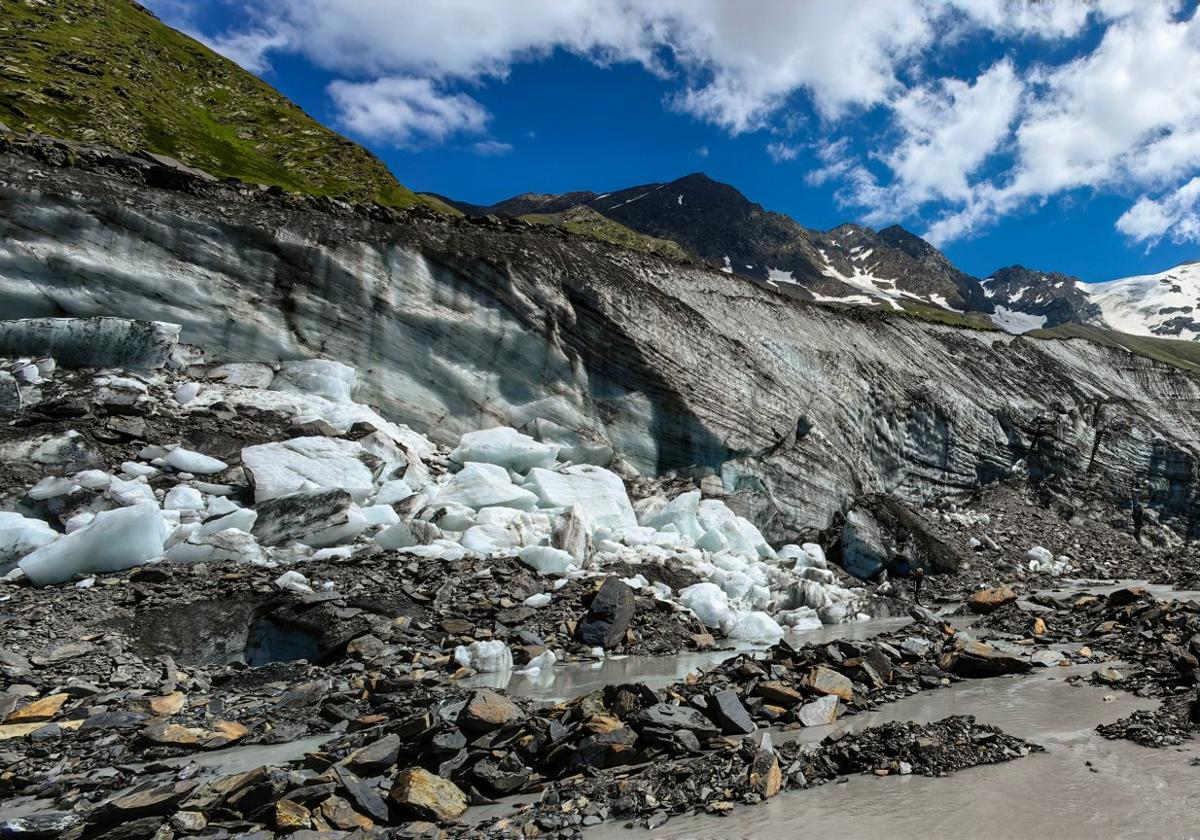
[419, 793]
[824, 680]
[1046, 658]
[486, 710]
[365, 794]
[727, 711]
[609, 615]
[988, 600]
[39, 710]
[375, 757]
[666, 716]
[820, 712]
[977, 659]
[168, 705]
[318, 519]
[778, 692]
[765, 778]
[291, 816]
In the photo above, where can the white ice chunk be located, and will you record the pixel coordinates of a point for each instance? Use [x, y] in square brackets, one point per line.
[537, 601]
[546, 560]
[92, 479]
[242, 519]
[709, 602]
[79, 520]
[680, 512]
[599, 493]
[484, 657]
[52, 486]
[754, 626]
[380, 515]
[136, 470]
[182, 497]
[228, 544]
[486, 539]
[185, 460]
[479, 485]
[20, 536]
[116, 539]
[540, 665]
[294, 581]
[187, 392]
[308, 463]
[505, 447]
[133, 492]
[395, 537]
[389, 492]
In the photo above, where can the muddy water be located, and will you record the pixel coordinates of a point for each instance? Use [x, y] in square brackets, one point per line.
[576, 679]
[1134, 792]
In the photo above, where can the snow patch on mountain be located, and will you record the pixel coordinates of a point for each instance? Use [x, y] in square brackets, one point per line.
[1164, 304]
[1012, 321]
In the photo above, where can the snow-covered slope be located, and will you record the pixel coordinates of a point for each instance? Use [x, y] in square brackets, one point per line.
[1164, 305]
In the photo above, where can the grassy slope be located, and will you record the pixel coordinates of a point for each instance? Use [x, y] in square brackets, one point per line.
[587, 222]
[1180, 354]
[106, 71]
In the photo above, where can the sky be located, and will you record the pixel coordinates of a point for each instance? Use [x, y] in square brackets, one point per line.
[1058, 134]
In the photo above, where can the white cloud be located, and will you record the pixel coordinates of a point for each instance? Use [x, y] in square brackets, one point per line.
[405, 111]
[962, 152]
[782, 152]
[1178, 213]
[491, 148]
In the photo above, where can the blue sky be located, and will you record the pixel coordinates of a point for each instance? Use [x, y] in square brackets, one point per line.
[1059, 135]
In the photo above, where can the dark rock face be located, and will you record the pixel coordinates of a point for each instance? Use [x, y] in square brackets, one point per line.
[796, 407]
[1056, 297]
[609, 615]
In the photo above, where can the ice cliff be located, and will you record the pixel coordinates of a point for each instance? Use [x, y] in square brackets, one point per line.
[456, 325]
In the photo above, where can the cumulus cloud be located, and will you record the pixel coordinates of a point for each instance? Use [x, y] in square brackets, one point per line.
[1120, 113]
[1176, 214]
[405, 111]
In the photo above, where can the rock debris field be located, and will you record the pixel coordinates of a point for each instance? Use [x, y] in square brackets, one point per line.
[234, 602]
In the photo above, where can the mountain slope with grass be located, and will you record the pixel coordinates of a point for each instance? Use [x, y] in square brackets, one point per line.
[109, 72]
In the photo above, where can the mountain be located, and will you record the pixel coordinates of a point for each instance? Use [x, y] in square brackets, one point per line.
[1025, 299]
[717, 223]
[109, 72]
[1162, 305]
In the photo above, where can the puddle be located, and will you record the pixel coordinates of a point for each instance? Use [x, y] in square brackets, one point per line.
[1134, 793]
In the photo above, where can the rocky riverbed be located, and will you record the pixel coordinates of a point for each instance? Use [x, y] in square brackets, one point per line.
[237, 603]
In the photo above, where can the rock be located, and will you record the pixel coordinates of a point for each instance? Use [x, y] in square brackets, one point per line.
[417, 792]
[189, 822]
[976, 659]
[1045, 658]
[778, 692]
[570, 535]
[39, 710]
[727, 711]
[318, 519]
[364, 793]
[486, 710]
[666, 716]
[375, 757]
[820, 712]
[824, 680]
[291, 816]
[765, 777]
[609, 615]
[989, 600]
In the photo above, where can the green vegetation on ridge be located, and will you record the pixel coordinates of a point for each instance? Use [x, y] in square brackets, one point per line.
[109, 72]
[587, 222]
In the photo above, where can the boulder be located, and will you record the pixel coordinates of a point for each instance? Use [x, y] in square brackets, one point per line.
[989, 600]
[486, 710]
[824, 680]
[609, 615]
[820, 712]
[976, 659]
[727, 711]
[417, 792]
